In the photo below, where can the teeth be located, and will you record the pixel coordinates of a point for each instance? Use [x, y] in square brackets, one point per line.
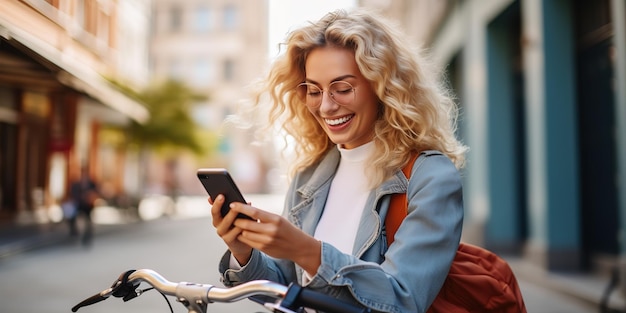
[338, 121]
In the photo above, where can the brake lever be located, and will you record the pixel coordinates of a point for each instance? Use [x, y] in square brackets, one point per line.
[122, 289]
[119, 289]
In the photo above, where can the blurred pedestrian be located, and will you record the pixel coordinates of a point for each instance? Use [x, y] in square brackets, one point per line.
[83, 194]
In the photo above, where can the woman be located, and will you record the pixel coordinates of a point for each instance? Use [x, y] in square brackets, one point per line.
[359, 104]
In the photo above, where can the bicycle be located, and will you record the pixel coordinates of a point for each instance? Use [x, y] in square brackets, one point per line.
[196, 297]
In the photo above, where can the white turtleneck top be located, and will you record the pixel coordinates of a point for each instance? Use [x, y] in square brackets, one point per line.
[346, 199]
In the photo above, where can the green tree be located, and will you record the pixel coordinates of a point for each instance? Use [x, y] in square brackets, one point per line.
[170, 124]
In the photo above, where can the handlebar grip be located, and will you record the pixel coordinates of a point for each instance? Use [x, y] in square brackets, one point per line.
[298, 296]
[89, 301]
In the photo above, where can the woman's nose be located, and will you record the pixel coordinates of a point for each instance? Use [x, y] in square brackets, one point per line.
[328, 104]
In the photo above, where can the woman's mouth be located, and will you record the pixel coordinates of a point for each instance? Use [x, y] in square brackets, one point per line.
[338, 121]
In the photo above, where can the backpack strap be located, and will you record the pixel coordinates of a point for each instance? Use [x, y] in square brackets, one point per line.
[478, 280]
[398, 205]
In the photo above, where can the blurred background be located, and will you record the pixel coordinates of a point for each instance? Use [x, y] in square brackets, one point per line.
[141, 91]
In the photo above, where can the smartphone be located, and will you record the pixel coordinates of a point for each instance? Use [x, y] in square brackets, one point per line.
[218, 181]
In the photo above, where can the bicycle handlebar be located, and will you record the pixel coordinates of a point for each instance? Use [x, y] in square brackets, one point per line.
[196, 296]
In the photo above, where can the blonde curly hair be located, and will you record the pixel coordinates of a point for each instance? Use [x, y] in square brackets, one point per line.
[417, 113]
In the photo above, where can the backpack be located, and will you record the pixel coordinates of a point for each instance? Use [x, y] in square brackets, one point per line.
[478, 280]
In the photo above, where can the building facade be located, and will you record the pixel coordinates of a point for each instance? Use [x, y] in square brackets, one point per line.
[55, 58]
[218, 48]
[541, 86]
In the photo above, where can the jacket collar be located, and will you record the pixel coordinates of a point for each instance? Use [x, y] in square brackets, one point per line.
[323, 173]
[313, 194]
[327, 168]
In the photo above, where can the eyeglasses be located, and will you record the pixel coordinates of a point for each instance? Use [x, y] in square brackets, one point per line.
[340, 92]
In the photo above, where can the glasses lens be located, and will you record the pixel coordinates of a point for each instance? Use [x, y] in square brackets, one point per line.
[342, 92]
[310, 94]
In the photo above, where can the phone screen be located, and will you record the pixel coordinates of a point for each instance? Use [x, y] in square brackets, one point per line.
[218, 181]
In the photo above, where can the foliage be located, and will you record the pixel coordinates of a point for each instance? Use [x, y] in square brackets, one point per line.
[170, 125]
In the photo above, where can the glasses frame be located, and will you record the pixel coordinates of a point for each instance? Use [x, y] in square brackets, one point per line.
[322, 91]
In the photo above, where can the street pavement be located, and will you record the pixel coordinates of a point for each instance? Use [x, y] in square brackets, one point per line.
[182, 246]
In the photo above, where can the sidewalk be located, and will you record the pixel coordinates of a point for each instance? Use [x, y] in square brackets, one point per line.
[587, 289]
[18, 238]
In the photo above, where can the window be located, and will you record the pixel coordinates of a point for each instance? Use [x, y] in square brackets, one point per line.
[202, 72]
[80, 14]
[230, 18]
[202, 21]
[176, 18]
[87, 13]
[175, 69]
[228, 70]
[54, 3]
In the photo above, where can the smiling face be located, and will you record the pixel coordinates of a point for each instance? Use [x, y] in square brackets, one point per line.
[349, 125]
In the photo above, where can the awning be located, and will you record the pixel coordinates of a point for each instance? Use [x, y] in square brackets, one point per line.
[71, 74]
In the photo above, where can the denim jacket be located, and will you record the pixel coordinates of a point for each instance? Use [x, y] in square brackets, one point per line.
[404, 277]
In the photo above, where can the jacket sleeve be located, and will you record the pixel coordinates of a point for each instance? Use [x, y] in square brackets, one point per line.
[260, 266]
[418, 261]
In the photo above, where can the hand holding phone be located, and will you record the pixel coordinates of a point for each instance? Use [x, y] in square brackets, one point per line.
[218, 181]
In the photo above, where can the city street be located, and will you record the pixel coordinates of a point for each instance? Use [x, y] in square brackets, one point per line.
[181, 248]
[114, 105]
